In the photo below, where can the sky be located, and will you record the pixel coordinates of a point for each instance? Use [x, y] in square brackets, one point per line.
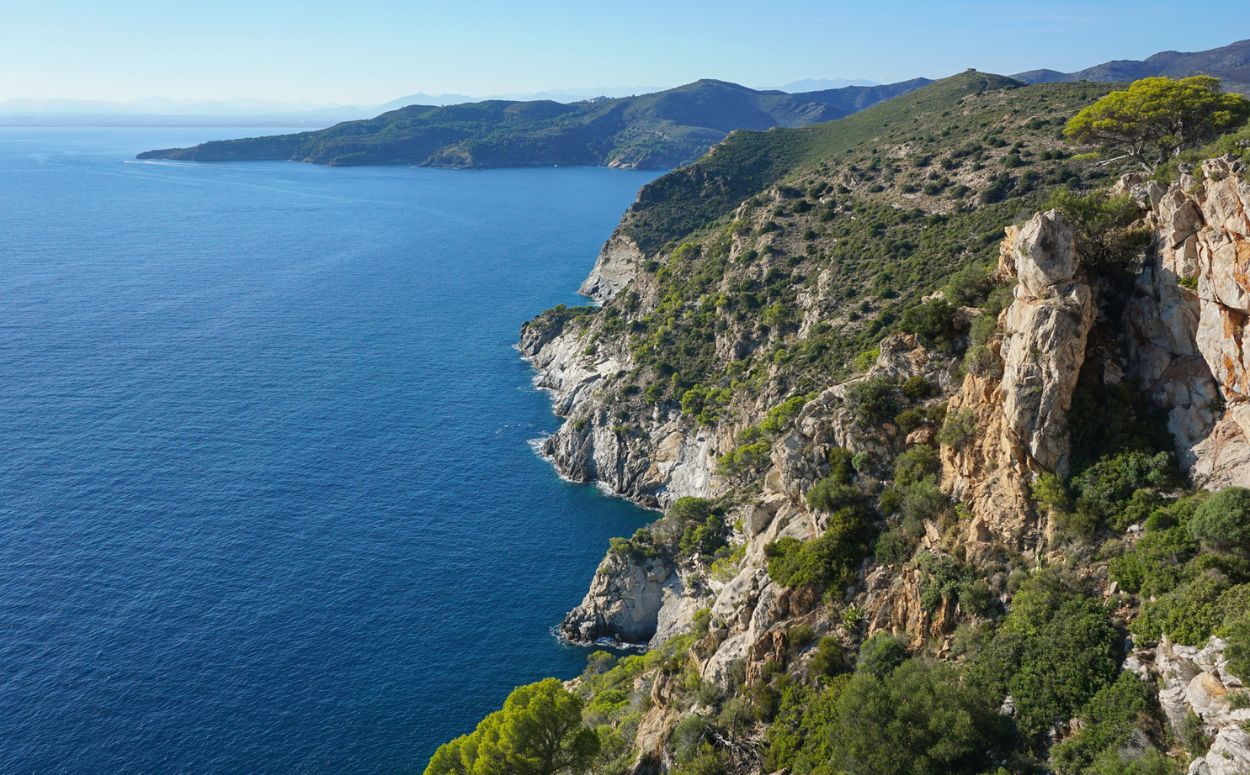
[367, 52]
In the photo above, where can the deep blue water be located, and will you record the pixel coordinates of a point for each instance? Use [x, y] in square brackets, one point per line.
[267, 502]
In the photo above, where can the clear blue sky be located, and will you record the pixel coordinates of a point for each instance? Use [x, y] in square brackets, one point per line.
[369, 51]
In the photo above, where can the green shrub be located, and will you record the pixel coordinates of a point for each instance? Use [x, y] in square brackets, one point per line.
[915, 464]
[801, 733]
[703, 531]
[864, 361]
[923, 502]
[841, 465]
[1149, 762]
[830, 494]
[910, 419]
[705, 403]
[1223, 520]
[688, 737]
[1156, 564]
[1056, 648]
[919, 718]
[1117, 490]
[941, 578]
[880, 655]
[799, 637]
[932, 322]
[1108, 721]
[829, 660]
[984, 326]
[781, 417]
[833, 558]
[1188, 614]
[873, 400]
[1107, 236]
[959, 429]
[640, 545]
[895, 546]
[980, 361]
[1049, 492]
[916, 388]
[1237, 650]
[539, 730]
[745, 459]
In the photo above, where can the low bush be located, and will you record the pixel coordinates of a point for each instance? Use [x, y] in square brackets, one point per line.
[933, 323]
[915, 464]
[832, 558]
[880, 655]
[959, 429]
[1223, 521]
[1056, 648]
[1108, 721]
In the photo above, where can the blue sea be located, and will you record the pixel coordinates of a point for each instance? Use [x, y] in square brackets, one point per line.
[267, 496]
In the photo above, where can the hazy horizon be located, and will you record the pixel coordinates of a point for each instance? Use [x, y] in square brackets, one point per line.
[172, 107]
[291, 54]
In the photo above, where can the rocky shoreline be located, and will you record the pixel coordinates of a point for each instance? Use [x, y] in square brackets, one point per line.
[1182, 329]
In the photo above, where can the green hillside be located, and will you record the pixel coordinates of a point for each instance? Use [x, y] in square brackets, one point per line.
[858, 218]
[654, 131]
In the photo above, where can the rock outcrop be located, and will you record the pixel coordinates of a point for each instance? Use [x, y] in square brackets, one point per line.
[1190, 317]
[618, 263]
[1196, 686]
[1016, 424]
[653, 460]
[632, 601]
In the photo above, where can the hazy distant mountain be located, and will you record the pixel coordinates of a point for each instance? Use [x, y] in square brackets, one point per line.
[1231, 64]
[822, 84]
[555, 95]
[658, 130]
[158, 111]
[421, 98]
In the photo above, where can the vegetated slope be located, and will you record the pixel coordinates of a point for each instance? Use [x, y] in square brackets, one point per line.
[920, 451]
[779, 255]
[748, 162]
[654, 131]
[1231, 64]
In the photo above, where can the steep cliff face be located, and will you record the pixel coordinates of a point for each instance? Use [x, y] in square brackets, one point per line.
[639, 598]
[618, 263]
[1189, 319]
[651, 459]
[632, 601]
[718, 366]
[1020, 417]
[1182, 331]
[1179, 333]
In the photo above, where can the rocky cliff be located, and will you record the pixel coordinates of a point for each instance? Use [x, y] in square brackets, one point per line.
[652, 461]
[1186, 324]
[1174, 334]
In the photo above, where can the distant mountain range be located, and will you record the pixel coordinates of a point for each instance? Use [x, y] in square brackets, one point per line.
[823, 84]
[656, 131]
[1231, 64]
[554, 95]
[161, 111]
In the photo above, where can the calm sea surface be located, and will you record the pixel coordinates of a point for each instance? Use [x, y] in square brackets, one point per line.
[267, 502]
